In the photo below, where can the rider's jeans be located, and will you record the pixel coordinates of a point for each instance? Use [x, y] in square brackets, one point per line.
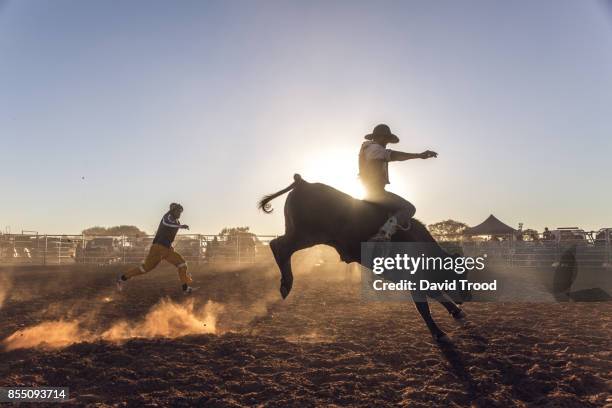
[403, 210]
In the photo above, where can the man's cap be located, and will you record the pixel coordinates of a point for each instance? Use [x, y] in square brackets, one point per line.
[382, 132]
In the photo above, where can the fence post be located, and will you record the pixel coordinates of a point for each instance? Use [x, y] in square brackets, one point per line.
[199, 249]
[59, 251]
[45, 253]
[609, 246]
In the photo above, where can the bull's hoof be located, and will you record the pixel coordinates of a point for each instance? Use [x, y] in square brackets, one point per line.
[459, 314]
[442, 338]
[284, 291]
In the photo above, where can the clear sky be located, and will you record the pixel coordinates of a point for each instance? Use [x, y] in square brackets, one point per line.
[110, 110]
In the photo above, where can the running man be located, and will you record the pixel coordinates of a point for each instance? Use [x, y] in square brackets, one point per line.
[162, 249]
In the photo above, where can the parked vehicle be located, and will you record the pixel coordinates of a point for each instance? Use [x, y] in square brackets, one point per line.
[569, 234]
[603, 237]
[189, 248]
[100, 250]
[240, 247]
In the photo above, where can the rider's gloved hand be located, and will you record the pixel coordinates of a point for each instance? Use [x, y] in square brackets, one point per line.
[185, 226]
[428, 153]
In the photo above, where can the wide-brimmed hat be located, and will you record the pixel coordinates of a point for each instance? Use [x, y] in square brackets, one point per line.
[382, 132]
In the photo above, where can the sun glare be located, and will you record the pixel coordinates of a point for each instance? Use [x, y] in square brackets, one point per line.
[337, 169]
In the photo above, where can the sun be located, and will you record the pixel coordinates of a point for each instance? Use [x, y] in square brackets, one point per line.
[337, 168]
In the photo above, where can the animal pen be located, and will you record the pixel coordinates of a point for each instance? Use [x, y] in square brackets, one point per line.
[35, 249]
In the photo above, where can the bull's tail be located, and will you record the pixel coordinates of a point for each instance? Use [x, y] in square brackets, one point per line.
[264, 203]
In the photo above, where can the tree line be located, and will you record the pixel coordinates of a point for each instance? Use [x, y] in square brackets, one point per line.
[447, 230]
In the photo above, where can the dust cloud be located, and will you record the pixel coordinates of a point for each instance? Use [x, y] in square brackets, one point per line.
[164, 319]
[5, 287]
[52, 334]
[169, 319]
[77, 318]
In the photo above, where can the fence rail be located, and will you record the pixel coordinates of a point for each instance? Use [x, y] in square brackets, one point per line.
[37, 249]
[533, 254]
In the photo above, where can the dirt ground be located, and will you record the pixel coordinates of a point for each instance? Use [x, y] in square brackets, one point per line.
[234, 342]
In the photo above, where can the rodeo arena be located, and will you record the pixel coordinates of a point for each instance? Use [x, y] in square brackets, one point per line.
[542, 339]
[500, 242]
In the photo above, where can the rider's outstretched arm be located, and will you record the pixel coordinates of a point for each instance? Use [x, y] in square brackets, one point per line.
[402, 156]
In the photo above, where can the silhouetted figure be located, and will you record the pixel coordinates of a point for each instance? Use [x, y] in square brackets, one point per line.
[319, 214]
[566, 272]
[547, 235]
[374, 160]
[162, 249]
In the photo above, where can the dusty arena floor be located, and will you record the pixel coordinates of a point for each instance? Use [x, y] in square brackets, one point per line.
[235, 343]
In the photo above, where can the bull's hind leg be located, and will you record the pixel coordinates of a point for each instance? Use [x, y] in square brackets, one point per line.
[448, 304]
[282, 248]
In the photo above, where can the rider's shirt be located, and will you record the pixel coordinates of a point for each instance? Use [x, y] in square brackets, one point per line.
[166, 232]
[374, 165]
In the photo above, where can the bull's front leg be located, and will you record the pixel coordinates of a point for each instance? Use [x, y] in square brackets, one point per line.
[420, 301]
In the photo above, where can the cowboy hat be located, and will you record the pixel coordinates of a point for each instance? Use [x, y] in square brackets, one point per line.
[382, 132]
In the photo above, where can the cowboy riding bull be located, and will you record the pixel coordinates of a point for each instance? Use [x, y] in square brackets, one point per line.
[319, 214]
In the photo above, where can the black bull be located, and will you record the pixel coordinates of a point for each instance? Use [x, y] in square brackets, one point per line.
[318, 214]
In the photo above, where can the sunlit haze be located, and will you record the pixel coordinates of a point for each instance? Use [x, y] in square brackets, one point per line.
[109, 111]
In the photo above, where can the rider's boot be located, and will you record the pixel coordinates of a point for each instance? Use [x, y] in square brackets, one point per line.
[386, 231]
[391, 226]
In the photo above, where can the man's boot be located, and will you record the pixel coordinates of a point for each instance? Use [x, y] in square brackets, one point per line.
[389, 228]
[385, 233]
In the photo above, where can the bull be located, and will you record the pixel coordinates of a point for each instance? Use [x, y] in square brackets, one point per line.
[316, 213]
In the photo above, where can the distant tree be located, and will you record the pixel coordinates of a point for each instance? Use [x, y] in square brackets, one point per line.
[231, 231]
[449, 230]
[94, 231]
[128, 230]
[242, 234]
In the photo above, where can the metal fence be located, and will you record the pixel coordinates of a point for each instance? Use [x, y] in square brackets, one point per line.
[534, 254]
[37, 249]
